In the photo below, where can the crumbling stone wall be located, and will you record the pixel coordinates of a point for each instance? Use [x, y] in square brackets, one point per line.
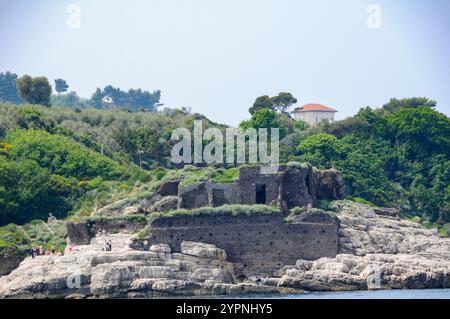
[222, 194]
[250, 178]
[81, 233]
[294, 185]
[329, 184]
[193, 196]
[208, 194]
[260, 244]
[298, 187]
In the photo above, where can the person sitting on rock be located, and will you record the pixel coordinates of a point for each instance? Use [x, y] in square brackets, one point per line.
[69, 249]
[41, 250]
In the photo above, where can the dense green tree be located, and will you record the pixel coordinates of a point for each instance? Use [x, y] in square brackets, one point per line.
[32, 118]
[283, 101]
[34, 90]
[301, 125]
[96, 99]
[322, 150]
[142, 144]
[132, 100]
[262, 102]
[62, 156]
[8, 88]
[70, 99]
[61, 86]
[396, 104]
[280, 102]
[424, 130]
[264, 118]
[28, 191]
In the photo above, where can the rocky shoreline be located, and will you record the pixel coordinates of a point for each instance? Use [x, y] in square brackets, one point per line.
[377, 250]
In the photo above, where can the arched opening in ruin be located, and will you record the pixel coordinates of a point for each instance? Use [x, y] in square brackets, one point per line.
[261, 194]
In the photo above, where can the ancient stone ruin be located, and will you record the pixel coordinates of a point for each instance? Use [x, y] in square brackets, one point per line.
[257, 243]
[295, 185]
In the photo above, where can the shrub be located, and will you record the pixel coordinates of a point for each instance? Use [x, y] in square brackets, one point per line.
[62, 156]
[363, 201]
[234, 210]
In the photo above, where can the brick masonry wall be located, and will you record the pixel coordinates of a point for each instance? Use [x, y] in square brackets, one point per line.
[260, 244]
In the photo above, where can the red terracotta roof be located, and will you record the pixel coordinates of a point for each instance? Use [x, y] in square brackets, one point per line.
[314, 108]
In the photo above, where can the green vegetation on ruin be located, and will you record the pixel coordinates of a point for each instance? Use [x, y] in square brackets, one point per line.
[72, 161]
[233, 210]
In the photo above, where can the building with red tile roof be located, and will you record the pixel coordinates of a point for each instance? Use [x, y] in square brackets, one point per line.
[314, 113]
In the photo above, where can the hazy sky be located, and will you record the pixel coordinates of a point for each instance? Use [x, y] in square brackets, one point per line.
[217, 56]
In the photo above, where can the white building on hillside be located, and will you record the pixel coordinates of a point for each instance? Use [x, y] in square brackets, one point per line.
[314, 113]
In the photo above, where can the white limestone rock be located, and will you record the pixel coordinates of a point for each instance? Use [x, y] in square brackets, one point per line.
[203, 250]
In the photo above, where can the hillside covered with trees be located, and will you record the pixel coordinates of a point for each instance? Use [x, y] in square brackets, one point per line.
[69, 159]
[397, 155]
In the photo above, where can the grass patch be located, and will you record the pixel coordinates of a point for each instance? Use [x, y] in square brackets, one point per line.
[415, 219]
[139, 218]
[225, 176]
[360, 200]
[233, 210]
[143, 233]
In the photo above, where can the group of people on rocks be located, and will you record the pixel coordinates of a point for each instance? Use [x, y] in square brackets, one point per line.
[50, 252]
[68, 250]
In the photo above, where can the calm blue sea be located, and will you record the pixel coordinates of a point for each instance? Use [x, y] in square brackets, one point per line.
[381, 294]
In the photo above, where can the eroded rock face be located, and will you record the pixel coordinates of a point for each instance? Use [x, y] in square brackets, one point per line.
[203, 250]
[166, 204]
[8, 262]
[377, 271]
[329, 184]
[366, 230]
[377, 251]
[79, 233]
[298, 186]
[123, 272]
[169, 188]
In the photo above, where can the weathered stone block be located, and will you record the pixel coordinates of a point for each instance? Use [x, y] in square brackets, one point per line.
[166, 204]
[203, 250]
[169, 188]
[193, 196]
[79, 233]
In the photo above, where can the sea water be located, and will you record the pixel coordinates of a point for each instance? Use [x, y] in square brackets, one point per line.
[376, 294]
